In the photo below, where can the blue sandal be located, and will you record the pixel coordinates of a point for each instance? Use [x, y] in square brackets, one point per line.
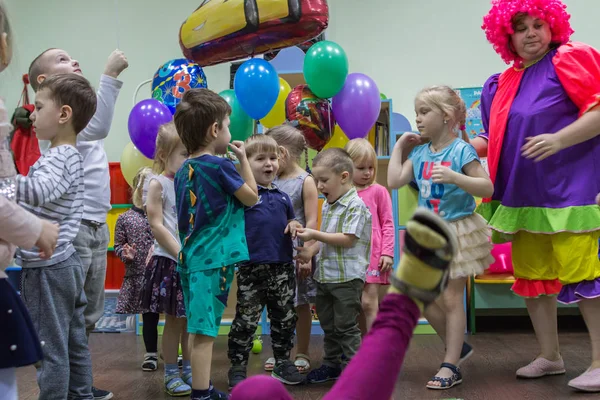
[447, 383]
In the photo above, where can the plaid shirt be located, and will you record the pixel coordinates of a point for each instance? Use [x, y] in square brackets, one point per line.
[337, 264]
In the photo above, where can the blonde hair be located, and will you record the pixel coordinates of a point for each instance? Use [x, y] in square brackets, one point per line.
[291, 139]
[449, 103]
[361, 150]
[138, 186]
[166, 142]
[260, 144]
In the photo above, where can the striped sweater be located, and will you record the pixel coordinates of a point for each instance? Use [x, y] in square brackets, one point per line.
[53, 190]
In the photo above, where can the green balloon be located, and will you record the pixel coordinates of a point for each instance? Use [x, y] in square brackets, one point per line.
[382, 96]
[242, 126]
[325, 68]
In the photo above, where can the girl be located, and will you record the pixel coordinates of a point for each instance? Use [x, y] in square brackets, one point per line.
[133, 240]
[448, 174]
[19, 343]
[378, 199]
[162, 291]
[302, 189]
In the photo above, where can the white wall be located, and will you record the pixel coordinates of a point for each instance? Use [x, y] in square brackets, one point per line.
[402, 44]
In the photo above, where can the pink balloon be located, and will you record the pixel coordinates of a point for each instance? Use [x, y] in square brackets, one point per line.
[503, 255]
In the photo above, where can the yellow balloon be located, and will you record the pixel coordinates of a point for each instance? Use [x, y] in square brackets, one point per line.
[131, 162]
[338, 139]
[277, 114]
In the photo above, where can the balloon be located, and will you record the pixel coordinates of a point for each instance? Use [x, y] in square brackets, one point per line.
[257, 345]
[144, 120]
[131, 162]
[174, 78]
[256, 86]
[242, 126]
[220, 31]
[277, 114]
[382, 96]
[339, 139]
[357, 106]
[502, 253]
[325, 68]
[311, 115]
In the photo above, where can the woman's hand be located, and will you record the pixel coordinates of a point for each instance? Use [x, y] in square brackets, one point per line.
[541, 147]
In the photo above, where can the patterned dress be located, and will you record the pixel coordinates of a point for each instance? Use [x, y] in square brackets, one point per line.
[132, 229]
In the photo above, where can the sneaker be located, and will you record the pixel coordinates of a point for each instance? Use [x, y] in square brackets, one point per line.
[323, 374]
[100, 394]
[287, 373]
[236, 374]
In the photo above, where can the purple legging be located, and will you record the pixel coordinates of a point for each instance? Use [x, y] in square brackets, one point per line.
[373, 371]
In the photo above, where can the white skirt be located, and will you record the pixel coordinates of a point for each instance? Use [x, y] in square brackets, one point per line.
[474, 246]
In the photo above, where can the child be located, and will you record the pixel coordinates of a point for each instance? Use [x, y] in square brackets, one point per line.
[133, 240]
[300, 186]
[269, 277]
[378, 200]
[91, 242]
[19, 342]
[344, 248]
[162, 291]
[448, 173]
[419, 279]
[53, 288]
[210, 197]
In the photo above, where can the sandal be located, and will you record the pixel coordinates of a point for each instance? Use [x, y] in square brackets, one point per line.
[270, 364]
[430, 241]
[150, 362]
[447, 383]
[176, 387]
[302, 363]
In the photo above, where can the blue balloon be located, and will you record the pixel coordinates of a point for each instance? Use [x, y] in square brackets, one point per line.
[256, 87]
[174, 78]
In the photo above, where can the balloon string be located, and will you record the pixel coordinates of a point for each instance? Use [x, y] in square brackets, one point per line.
[147, 81]
[117, 23]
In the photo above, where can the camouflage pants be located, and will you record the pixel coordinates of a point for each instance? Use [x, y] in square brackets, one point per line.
[260, 285]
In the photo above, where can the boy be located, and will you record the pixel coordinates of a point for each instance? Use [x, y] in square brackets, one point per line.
[343, 246]
[210, 195]
[92, 239]
[269, 277]
[53, 190]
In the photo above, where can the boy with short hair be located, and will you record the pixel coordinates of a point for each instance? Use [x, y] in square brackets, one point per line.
[269, 277]
[343, 247]
[210, 195]
[53, 190]
[92, 239]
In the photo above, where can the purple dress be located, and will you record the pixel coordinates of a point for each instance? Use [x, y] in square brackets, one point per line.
[558, 193]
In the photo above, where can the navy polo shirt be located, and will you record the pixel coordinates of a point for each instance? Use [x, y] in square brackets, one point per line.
[265, 225]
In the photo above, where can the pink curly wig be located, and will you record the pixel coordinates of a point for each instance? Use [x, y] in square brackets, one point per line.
[498, 26]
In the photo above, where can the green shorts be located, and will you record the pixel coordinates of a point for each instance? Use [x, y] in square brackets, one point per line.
[205, 295]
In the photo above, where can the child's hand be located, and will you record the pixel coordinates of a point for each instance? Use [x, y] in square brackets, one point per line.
[117, 63]
[304, 270]
[304, 254]
[385, 263]
[442, 174]
[48, 238]
[129, 252]
[237, 146]
[305, 234]
[409, 141]
[292, 228]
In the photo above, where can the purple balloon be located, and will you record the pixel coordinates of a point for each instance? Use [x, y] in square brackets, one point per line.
[145, 119]
[356, 107]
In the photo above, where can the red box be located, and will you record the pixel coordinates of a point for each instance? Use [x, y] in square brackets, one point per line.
[120, 193]
[115, 271]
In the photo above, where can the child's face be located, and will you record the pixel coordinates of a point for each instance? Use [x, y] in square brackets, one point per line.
[57, 61]
[264, 167]
[176, 159]
[223, 136]
[363, 172]
[47, 115]
[331, 184]
[430, 122]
